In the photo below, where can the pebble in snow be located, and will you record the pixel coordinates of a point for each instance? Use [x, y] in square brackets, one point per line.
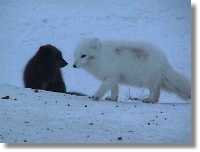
[91, 123]
[6, 97]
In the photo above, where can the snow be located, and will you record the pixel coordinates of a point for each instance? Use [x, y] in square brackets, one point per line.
[47, 117]
[28, 24]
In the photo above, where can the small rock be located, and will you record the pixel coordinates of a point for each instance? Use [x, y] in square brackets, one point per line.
[6, 97]
[91, 123]
[68, 105]
[26, 122]
[45, 20]
[117, 106]
[148, 123]
[165, 118]
[25, 140]
[156, 116]
[85, 106]
[102, 113]
[119, 138]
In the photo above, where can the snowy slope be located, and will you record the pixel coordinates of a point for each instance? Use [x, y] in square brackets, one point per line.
[47, 117]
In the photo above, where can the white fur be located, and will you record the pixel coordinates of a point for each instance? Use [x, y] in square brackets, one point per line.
[130, 63]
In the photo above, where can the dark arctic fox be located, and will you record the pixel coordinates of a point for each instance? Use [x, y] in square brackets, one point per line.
[43, 70]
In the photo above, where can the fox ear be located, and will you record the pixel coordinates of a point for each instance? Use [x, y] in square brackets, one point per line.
[95, 43]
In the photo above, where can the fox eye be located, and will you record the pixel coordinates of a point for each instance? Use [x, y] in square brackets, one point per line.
[83, 56]
[58, 55]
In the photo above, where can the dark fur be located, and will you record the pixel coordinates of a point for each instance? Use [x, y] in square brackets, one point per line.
[43, 70]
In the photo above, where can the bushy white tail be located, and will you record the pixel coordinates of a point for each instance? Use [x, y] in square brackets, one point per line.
[175, 82]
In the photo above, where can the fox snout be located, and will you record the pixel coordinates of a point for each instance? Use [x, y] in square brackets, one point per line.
[63, 63]
[74, 66]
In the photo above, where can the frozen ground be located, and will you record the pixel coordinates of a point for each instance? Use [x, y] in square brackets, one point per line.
[46, 117]
[25, 25]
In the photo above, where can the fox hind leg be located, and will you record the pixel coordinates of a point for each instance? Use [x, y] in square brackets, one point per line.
[154, 94]
[115, 92]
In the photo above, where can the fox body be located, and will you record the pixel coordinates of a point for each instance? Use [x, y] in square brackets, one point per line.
[130, 63]
[43, 71]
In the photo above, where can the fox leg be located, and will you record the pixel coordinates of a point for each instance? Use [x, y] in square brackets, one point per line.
[154, 94]
[114, 93]
[106, 86]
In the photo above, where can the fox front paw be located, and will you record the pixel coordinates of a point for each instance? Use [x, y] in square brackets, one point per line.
[134, 98]
[111, 99]
[149, 100]
[94, 98]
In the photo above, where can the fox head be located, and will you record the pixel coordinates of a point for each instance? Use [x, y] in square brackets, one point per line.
[51, 56]
[86, 52]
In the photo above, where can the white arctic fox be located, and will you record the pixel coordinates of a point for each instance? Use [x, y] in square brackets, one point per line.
[130, 63]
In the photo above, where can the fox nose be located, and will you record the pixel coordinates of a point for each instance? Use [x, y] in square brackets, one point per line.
[63, 63]
[74, 66]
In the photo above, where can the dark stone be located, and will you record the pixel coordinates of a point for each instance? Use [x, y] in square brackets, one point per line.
[6, 97]
[91, 123]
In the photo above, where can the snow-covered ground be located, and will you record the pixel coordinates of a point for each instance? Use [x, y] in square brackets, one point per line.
[47, 117]
[25, 25]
